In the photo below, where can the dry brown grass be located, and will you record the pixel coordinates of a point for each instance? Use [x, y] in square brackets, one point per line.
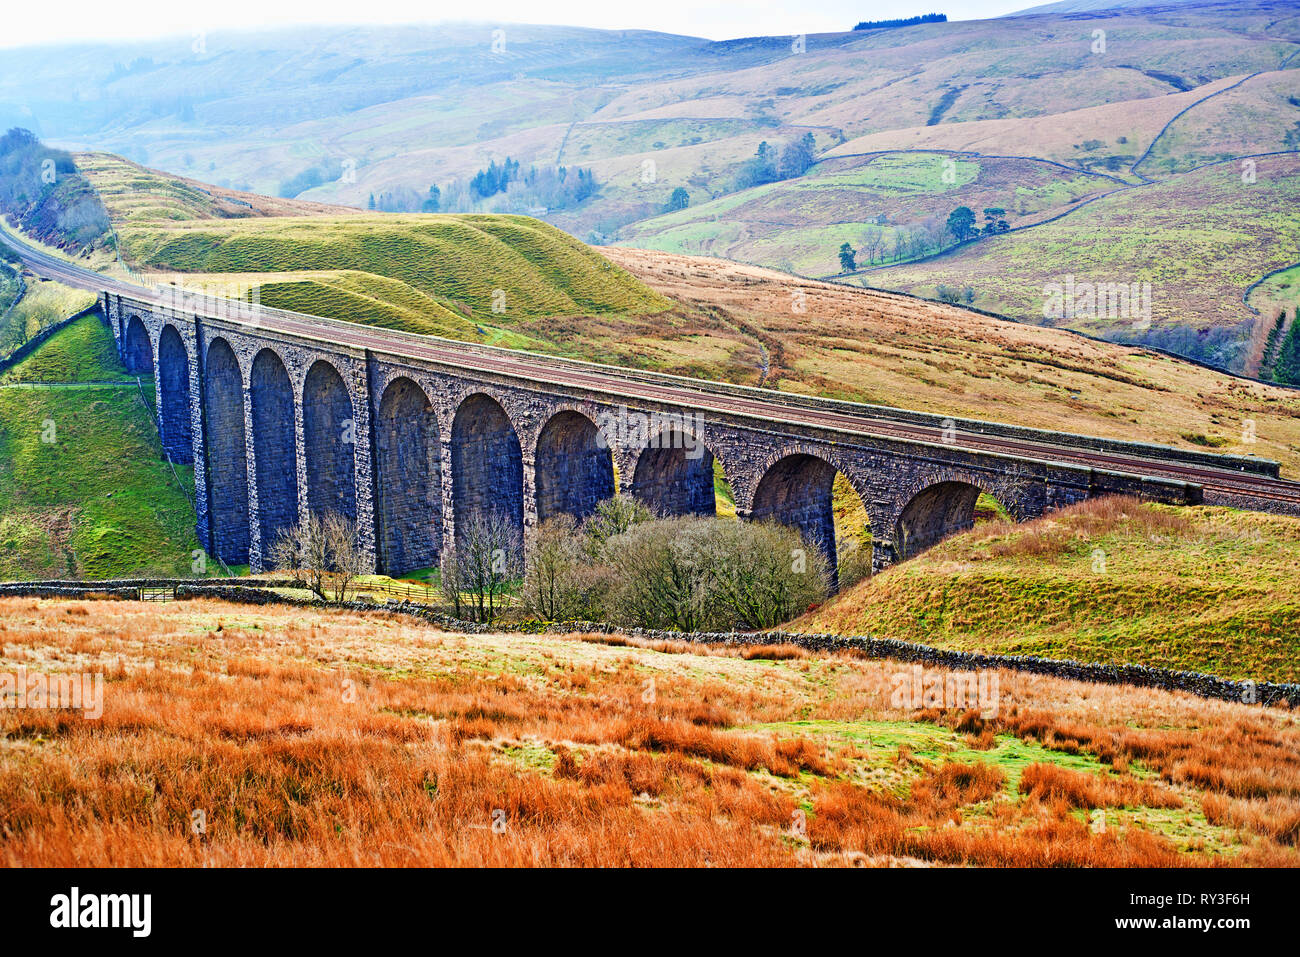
[309, 738]
[871, 346]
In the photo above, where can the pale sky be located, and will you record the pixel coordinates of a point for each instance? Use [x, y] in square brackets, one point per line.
[27, 22]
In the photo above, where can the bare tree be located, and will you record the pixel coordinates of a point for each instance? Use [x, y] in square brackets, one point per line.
[346, 561]
[551, 586]
[486, 560]
[301, 549]
[323, 551]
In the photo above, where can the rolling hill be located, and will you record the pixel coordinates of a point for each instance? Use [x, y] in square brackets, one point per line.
[351, 117]
[1112, 581]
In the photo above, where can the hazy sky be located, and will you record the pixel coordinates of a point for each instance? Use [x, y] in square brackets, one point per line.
[28, 22]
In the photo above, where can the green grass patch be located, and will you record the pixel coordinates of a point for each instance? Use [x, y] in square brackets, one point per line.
[84, 490]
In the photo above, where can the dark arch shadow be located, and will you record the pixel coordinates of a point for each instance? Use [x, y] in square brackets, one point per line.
[797, 491]
[329, 436]
[933, 514]
[410, 479]
[137, 353]
[174, 387]
[674, 476]
[227, 454]
[486, 465]
[275, 446]
[575, 469]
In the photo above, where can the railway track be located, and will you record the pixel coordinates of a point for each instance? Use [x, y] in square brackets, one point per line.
[1227, 484]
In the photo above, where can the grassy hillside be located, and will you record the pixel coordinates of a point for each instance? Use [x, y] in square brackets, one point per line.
[1200, 239]
[871, 203]
[84, 491]
[1206, 589]
[459, 261]
[833, 340]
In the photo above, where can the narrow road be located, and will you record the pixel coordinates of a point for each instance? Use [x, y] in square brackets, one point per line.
[690, 394]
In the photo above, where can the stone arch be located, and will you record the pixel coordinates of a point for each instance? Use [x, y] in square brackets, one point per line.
[275, 448]
[174, 396]
[330, 440]
[410, 479]
[796, 490]
[486, 464]
[673, 474]
[573, 466]
[938, 509]
[137, 350]
[227, 454]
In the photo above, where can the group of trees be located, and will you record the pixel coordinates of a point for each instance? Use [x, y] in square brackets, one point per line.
[621, 565]
[961, 223]
[404, 199]
[900, 243]
[552, 187]
[1286, 368]
[495, 179]
[770, 164]
[954, 295]
[42, 191]
[903, 22]
[678, 200]
[624, 566]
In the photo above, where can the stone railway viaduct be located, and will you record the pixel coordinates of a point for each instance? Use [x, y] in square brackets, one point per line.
[277, 423]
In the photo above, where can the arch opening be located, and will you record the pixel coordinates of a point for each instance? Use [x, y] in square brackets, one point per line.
[275, 448]
[807, 492]
[410, 479]
[486, 466]
[676, 476]
[137, 352]
[174, 397]
[329, 431]
[939, 511]
[797, 491]
[227, 455]
[574, 467]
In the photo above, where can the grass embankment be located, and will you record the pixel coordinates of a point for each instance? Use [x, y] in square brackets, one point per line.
[43, 303]
[84, 491]
[398, 270]
[1113, 581]
[314, 738]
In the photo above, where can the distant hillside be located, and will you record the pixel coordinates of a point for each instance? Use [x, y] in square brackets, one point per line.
[403, 118]
[887, 207]
[1199, 239]
[84, 490]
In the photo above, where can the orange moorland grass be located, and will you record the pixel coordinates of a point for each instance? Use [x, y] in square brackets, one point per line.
[307, 737]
